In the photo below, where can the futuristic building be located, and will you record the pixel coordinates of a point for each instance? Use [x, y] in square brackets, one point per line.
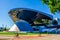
[26, 18]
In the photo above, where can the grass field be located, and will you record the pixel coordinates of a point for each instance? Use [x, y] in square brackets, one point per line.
[23, 33]
[20, 33]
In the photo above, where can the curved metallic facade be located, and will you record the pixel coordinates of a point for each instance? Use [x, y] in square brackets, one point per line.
[28, 15]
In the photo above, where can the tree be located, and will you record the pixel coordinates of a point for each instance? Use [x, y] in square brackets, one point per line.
[54, 5]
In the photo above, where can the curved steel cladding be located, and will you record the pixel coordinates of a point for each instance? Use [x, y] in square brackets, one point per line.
[12, 14]
[25, 14]
[28, 14]
[23, 17]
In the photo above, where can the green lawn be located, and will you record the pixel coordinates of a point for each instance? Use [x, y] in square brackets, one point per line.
[22, 33]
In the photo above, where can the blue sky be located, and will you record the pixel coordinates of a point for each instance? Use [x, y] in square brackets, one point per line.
[6, 5]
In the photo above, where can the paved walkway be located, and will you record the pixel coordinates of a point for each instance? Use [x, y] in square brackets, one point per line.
[43, 37]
